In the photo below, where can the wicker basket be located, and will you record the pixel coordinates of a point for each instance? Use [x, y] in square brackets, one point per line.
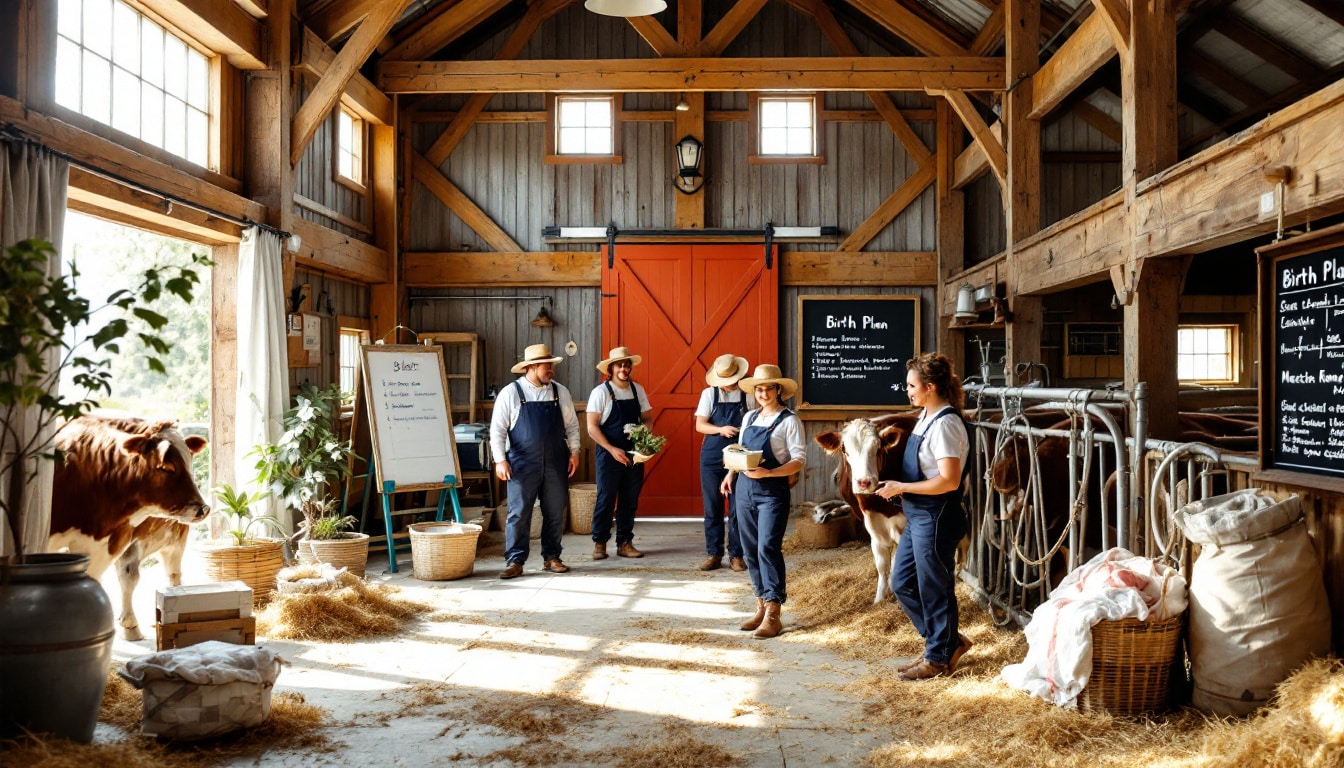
[816, 535]
[350, 552]
[582, 499]
[1131, 663]
[443, 551]
[254, 563]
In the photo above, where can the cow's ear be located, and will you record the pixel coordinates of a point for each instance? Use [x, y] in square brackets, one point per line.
[195, 444]
[137, 444]
[830, 441]
[891, 436]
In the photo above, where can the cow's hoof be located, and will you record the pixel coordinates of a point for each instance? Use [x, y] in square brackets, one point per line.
[131, 633]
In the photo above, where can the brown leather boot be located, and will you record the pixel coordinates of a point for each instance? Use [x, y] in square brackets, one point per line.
[755, 621]
[737, 564]
[771, 624]
[599, 550]
[628, 550]
[711, 563]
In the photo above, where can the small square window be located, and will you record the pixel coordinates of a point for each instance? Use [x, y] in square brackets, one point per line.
[785, 128]
[1206, 353]
[349, 152]
[585, 129]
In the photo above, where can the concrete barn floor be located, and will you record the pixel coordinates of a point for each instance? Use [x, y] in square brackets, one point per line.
[618, 650]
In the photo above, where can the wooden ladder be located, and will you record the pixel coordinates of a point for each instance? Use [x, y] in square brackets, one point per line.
[456, 347]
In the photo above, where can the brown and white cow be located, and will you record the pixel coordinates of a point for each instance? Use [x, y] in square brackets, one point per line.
[871, 451]
[123, 490]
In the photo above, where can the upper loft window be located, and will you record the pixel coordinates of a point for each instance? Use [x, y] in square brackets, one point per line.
[349, 148]
[785, 128]
[122, 69]
[1206, 353]
[585, 129]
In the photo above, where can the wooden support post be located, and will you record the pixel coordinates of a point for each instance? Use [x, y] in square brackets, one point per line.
[690, 209]
[223, 357]
[951, 229]
[1022, 34]
[1150, 338]
[1148, 99]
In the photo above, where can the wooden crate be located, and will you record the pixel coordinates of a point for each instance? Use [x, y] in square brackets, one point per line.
[203, 602]
[240, 631]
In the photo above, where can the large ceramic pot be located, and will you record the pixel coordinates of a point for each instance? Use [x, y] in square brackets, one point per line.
[56, 633]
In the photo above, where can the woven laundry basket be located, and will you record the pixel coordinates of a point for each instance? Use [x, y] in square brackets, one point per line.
[1131, 665]
[443, 551]
[816, 535]
[255, 563]
[582, 499]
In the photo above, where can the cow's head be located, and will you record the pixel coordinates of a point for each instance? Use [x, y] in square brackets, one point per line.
[164, 481]
[865, 448]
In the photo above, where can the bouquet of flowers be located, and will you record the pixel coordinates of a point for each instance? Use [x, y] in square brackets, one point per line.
[646, 443]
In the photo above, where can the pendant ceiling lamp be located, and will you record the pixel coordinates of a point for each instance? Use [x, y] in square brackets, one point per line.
[626, 8]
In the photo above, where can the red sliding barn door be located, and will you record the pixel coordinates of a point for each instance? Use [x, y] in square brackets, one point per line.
[681, 306]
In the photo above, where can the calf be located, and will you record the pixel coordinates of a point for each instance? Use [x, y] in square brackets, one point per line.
[122, 491]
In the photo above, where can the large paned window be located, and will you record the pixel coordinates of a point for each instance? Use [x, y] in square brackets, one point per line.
[121, 68]
[1206, 353]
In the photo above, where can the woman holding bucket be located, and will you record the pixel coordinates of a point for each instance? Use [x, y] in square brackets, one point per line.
[761, 495]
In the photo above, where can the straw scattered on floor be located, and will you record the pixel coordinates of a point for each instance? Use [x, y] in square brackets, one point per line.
[677, 747]
[354, 611]
[975, 719]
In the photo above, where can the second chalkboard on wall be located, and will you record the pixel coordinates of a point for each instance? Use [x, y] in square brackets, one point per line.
[853, 349]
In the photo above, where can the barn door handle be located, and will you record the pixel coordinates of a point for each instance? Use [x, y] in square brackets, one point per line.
[611, 245]
[769, 243]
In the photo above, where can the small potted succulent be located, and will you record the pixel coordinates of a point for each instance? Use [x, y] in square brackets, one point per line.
[647, 444]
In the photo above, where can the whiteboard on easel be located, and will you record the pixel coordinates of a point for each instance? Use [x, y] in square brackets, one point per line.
[409, 415]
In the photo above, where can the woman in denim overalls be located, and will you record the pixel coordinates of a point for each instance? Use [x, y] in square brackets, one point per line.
[930, 489]
[717, 417]
[761, 495]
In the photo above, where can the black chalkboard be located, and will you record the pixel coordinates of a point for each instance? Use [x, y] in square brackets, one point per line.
[1302, 318]
[853, 349]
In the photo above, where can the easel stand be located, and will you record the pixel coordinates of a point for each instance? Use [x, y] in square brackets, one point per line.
[389, 487]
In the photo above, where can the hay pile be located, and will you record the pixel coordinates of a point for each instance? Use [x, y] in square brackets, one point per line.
[974, 719]
[354, 611]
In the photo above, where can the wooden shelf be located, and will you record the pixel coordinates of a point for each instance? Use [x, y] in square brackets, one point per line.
[977, 326]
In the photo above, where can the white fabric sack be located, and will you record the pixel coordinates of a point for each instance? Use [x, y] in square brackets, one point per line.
[1115, 584]
[1258, 607]
[204, 690]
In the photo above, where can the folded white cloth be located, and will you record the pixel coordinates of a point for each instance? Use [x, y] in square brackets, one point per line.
[208, 663]
[1115, 584]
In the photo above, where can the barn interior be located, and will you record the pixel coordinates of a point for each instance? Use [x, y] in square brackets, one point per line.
[1067, 196]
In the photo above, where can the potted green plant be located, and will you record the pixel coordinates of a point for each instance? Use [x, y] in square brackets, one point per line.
[646, 443]
[310, 458]
[48, 604]
[244, 555]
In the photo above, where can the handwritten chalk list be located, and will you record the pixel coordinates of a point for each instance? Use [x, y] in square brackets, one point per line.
[853, 349]
[1304, 399]
[406, 390]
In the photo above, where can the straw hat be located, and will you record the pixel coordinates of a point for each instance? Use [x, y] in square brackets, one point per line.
[727, 369]
[769, 374]
[534, 355]
[616, 354]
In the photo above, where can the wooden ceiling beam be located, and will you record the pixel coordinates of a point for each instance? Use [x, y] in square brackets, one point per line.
[434, 35]
[656, 35]
[331, 252]
[989, 144]
[95, 195]
[317, 107]
[844, 46]
[729, 27]
[462, 206]
[1083, 53]
[899, 20]
[314, 58]
[990, 34]
[1330, 9]
[258, 9]
[219, 25]
[1279, 56]
[841, 73]
[1115, 15]
[690, 26]
[1107, 125]
[1233, 85]
[333, 19]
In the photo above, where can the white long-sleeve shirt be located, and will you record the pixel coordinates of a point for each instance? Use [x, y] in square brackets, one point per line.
[507, 407]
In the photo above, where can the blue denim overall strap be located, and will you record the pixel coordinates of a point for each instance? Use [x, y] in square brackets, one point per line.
[722, 414]
[618, 485]
[762, 510]
[922, 573]
[538, 459]
[623, 413]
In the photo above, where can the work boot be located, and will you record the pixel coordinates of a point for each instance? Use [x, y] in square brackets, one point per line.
[555, 566]
[963, 645]
[711, 563]
[628, 550]
[737, 564]
[755, 621]
[771, 624]
[925, 670]
[513, 571]
[599, 550]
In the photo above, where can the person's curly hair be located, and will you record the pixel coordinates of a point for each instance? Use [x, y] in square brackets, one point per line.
[936, 369]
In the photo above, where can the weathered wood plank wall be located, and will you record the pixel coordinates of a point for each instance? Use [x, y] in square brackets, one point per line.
[314, 178]
[348, 299]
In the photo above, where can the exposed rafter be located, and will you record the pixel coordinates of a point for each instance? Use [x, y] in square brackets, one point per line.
[1331, 9]
[437, 33]
[899, 20]
[656, 35]
[868, 73]
[990, 34]
[1115, 15]
[332, 19]
[222, 27]
[1213, 73]
[314, 58]
[890, 208]
[1272, 51]
[1083, 53]
[729, 27]
[990, 145]
[462, 206]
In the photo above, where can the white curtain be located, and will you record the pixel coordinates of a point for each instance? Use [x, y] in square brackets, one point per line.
[262, 366]
[33, 185]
